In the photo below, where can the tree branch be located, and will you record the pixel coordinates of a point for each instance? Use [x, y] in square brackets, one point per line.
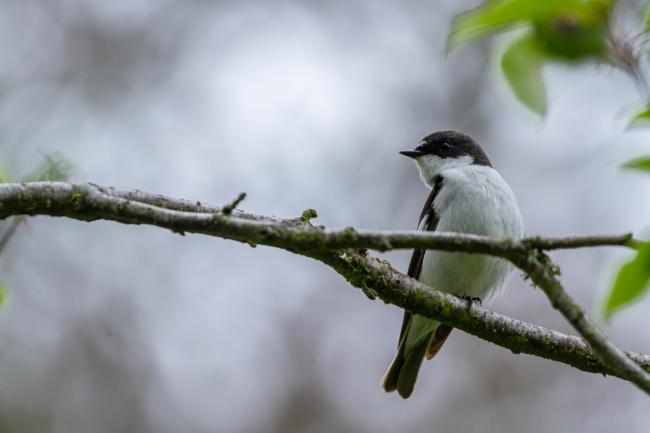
[393, 287]
[340, 250]
[542, 271]
[89, 202]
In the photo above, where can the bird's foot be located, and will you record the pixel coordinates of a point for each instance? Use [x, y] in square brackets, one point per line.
[471, 300]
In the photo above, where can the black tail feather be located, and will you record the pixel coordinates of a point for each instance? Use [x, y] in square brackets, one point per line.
[403, 371]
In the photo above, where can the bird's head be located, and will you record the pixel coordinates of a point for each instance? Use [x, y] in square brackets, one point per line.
[444, 150]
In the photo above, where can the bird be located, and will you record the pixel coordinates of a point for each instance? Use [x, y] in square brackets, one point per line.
[467, 196]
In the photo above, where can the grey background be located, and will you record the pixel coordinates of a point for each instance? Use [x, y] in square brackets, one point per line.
[301, 104]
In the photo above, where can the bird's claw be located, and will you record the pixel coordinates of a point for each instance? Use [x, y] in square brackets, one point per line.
[471, 300]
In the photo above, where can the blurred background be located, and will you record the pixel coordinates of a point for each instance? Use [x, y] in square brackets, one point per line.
[114, 328]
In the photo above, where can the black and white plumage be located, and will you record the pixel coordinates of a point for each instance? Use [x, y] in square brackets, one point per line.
[467, 196]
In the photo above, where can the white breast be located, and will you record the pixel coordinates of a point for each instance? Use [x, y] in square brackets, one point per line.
[473, 199]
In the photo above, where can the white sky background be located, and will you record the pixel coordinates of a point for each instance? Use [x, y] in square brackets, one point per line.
[300, 104]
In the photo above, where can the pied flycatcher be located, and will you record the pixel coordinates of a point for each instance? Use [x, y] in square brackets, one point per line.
[467, 196]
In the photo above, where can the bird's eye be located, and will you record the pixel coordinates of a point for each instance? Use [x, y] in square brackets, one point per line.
[446, 145]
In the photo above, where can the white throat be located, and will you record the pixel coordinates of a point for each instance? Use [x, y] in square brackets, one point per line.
[431, 166]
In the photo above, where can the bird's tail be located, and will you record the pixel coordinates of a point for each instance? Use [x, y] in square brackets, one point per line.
[422, 337]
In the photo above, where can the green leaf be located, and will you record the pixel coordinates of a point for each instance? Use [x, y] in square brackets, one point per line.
[490, 17]
[575, 30]
[3, 292]
[581, 24]
[53, 168]
[631, 283]
[640, 118]
[642, 164]
[522, 68]
[569, 31]
[573, 38]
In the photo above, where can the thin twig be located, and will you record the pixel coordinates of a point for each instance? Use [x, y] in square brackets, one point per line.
[626, 57]
[9, 232]
[227, 210]
[542, 271]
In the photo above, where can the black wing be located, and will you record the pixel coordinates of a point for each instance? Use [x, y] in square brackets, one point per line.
[415, 266]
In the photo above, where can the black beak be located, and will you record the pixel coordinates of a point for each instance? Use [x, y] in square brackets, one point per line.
[412, 153]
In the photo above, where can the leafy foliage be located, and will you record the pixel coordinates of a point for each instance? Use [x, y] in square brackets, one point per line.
[642, 164]
[574, 30]
[640, 118]
[52, 168]
[571, 32]
[555, 30]
[631, 283]
[567, 28]
[489, 18]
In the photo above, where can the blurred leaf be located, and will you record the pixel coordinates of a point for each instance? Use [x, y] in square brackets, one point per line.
[564, 30]
[639, 164]
[574, 35]
[3, 292]
[5, 176]
[522, 67]
[53, 168]
[631, 283]
[568, 28]
[644, 14]
[640, 118]
[490, 17]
